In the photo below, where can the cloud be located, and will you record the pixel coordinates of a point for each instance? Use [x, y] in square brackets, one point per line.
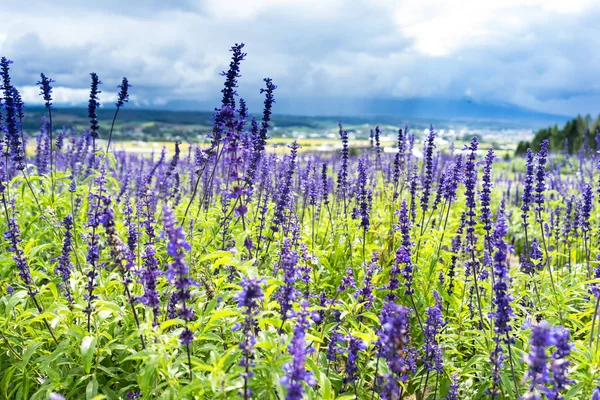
[534, 53]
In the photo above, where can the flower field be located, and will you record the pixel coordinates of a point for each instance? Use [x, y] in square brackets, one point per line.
[232, 271]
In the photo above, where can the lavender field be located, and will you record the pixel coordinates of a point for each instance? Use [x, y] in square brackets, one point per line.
[230, 270]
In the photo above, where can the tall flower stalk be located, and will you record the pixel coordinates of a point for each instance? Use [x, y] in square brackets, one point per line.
[248, 300]
[178, 275]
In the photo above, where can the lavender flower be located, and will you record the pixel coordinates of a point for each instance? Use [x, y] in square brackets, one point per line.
[347, 281]
[14, 148]
[296, 372]
[528, 185]
[503, 310]
[486, 190]
[540, 176]
[432, 354]
[428, 168]
[232, 74]
[45, 85]
[64, 267]
[13, 235]
[285, 194]
[93, 105]
[470, 182]
[342, 178]
[248, 299]
[365, 294]
[178, 272]
[149, 273]
[538, 374]
[363, 195]
[586, 207]
[355, 345]
[393, 343]
[123, 95]
[287, 293]
[260, 137]
[559, 366]
[453, 392]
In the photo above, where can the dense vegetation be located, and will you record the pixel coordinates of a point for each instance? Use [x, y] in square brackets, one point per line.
[577, 134]
[232, 272]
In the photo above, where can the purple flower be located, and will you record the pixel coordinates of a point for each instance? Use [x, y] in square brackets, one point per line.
[403, 256]
[586, 207]
[232, 74]
[453, 392]
[365, 294]
[528, 185]
[394, 346]
[149, 272]
[13, 235]
[285, 195]
[428, 168]
[333, 345]
[123, 95]
[452, 179]
[486, 190]
[432, 354]
[596, 393]
[287, 293]
[456, 247]
[559, 365]
[538, 374]
[64, 267]
[248, 299]
[540, 175]
[470, 182]
[342, 178]
[355, 345]
[259, 137]
[363, 196]
[93, 105]
[14, 148]
[45, 85]
[503, 310]
[295, 370]
[347, 280]
[178, 272]
[413, 194]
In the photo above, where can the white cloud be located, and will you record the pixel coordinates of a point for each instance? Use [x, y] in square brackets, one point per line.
[535, 53]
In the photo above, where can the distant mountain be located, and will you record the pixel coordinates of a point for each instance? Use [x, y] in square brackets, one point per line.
[400, 109]
[302, 117]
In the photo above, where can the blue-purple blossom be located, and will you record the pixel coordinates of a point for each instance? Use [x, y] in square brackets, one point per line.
[93, 105]
[287, 293]
[123, 95]
[432, 354]
[178, 273]
[428, 168]
[355, 345]
[64, 267]
[232, 74]
[295, 371]
[247, 299]
[540, 175]
[394, 347]
[45, 85]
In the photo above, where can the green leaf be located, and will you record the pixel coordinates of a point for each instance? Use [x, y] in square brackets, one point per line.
[87, 348]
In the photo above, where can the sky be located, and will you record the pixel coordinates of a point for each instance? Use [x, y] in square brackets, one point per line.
[543, 55]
